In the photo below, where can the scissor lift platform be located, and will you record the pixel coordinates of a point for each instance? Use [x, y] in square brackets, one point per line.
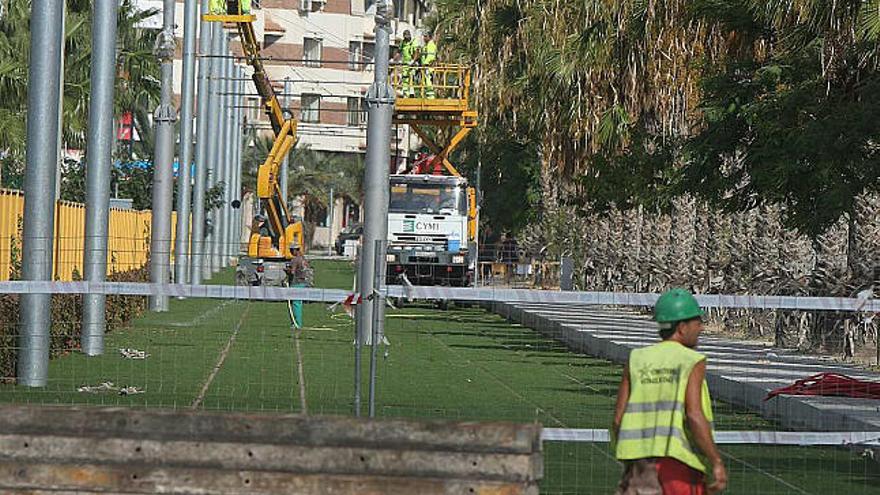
[434, 96]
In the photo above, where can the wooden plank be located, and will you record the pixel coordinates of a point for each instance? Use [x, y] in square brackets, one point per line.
[128, 479]
[497, 437]
[282, 458]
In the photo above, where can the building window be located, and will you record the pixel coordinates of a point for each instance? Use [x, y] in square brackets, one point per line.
[270, 39]
[369, 51]
[311, 108]
[253, 109]
[360, 55]
[399, 6]
[357, 116]
[354, 55]
[312, 48]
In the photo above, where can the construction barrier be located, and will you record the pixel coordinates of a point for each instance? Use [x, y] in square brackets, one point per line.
[101, 450]
[128, 244]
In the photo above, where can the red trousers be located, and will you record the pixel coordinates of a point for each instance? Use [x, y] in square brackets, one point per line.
[661, 476]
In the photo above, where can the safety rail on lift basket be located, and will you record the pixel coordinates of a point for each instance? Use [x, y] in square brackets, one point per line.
[441, 87]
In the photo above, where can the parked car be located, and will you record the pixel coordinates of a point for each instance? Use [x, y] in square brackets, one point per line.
[351, 233]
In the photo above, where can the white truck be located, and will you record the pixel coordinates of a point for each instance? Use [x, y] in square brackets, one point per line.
[431, 228]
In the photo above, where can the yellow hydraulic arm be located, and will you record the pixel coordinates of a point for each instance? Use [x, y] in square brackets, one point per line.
[283, 231]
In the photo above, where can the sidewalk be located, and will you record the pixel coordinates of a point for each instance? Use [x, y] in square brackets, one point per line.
[739, 372]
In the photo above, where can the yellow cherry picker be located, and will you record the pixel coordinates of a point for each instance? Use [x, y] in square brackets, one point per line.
[273, 232]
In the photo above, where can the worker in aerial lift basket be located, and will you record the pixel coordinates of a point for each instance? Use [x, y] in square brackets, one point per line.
[427, 59]
[408, 50]
[663, 418]
[230, 7]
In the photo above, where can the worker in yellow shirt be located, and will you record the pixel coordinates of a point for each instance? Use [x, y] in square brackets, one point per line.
[427, 59]
[662, 427]
[229, 7]
[408, 50]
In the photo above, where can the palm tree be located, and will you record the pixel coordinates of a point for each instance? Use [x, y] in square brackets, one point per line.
[137, 86]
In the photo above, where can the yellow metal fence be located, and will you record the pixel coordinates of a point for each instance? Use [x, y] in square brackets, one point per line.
[128, 244]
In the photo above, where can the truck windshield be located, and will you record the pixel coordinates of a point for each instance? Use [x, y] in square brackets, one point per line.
[433, 199]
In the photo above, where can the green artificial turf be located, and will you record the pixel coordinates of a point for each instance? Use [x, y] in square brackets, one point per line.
[462, 364]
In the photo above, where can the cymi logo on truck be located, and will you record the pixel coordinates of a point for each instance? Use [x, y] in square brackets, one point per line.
[414, 226]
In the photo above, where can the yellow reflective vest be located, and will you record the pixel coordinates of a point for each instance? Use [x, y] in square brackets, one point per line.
[654, 424]
[429, 53]
[408, 51]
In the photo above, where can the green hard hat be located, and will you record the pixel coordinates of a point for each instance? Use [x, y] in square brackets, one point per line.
[676, 305]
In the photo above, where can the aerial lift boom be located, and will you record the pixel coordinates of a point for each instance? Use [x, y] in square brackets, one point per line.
[282, 232]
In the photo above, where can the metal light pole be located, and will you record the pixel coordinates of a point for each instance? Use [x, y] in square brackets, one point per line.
[222, 162]
[330, 214]
[39, 207]
[202, 137]
[187, 90]
[59, 147]
[380, 106]
[230, 168]
[163, 157]
[99, 151]
[236, 170]
[227, 159]
[213, 130]
[285, 165]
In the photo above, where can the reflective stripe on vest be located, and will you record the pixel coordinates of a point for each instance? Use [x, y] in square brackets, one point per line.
[654, 423]
[407, 50]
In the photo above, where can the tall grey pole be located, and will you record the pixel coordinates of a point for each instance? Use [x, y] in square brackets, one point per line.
[59, 148]
[39, 207]
[230, 163]
[202, 137]
[223, 161]
[226, 150]
[163, 157]
[236, 171]
[285, 165]
[330, 222]
[187, 94]
[380, 105]
[234, 85]
[99, 150]
[378, 303]
[213, 129]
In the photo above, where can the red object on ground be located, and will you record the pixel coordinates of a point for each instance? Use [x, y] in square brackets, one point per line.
[350, 302]
[830, 384]
[677, 478]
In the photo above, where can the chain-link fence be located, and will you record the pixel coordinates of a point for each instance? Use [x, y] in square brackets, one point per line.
[237, 351]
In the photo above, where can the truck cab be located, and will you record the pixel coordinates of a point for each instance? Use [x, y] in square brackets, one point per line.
[429, 230]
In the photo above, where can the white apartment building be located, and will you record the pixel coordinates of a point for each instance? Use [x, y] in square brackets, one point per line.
[324, 48]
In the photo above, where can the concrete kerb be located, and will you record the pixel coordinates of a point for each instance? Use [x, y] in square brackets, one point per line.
[737, 374]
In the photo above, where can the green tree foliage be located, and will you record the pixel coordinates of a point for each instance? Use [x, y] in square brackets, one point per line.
[797, 126]
[137, 85]
[740, 102]
[311, 173]
[510, 178]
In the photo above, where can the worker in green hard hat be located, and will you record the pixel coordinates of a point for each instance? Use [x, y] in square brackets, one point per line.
[663, 418]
